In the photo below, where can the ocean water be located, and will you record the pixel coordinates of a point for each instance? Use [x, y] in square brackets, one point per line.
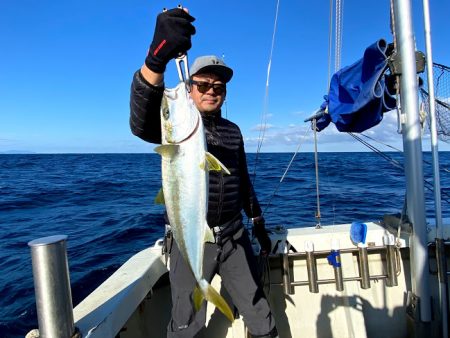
[104, 203]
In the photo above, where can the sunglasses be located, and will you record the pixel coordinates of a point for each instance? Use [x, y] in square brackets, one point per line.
[203, 87]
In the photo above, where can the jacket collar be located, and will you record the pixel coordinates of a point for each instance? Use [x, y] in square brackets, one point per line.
[214, 117]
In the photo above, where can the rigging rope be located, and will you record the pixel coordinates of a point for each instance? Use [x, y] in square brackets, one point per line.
[330, 42]
[398, 150]
[338, 37]
[337, 64]
[385, 144]
[396, 164]
[377, 151]
[316, 162]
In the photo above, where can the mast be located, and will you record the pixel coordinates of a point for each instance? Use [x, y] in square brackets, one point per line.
[413, 157]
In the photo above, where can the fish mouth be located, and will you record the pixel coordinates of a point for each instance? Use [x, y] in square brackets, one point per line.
[197, 125]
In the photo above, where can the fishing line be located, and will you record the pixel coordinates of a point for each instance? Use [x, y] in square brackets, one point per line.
[330, 189]
[225, 102]
[263, 124]
[286, 171]
[226, 109]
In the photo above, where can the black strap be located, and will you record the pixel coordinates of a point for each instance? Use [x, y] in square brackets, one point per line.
[167, 245]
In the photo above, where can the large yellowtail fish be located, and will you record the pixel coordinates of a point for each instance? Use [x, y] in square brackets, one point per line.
[185, 165]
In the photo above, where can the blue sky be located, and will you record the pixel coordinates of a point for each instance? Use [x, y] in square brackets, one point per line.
[66, 68]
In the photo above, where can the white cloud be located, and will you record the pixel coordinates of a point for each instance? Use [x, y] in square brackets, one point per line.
[289, 137]
[259, 127]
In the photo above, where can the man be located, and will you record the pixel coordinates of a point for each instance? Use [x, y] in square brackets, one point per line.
[232, 255]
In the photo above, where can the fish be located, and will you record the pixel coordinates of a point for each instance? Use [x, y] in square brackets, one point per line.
[185, 165]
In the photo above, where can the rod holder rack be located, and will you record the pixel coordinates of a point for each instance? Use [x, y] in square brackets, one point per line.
[313, 281]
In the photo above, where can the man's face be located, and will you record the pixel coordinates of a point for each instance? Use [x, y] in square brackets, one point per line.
[208, 98]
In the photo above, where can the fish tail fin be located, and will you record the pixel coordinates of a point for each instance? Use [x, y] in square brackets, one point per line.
[204, 290]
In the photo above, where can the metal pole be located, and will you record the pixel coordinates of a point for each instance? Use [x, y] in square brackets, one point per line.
[433, 128]
[440, 248]
[364, 266]
[311, 267]
[288, 287]
[335, 248]
[52, 287]
[316, 161]
[391, 265]
[413, 156]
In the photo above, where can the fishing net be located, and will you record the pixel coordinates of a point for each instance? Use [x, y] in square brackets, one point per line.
[441, 78]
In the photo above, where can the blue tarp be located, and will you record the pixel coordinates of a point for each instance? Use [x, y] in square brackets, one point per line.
[359, 94]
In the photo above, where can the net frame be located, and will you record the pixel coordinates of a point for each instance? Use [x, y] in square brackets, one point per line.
[441, 78]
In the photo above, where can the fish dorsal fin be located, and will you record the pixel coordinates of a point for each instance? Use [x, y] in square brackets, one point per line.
[212, 163]
[159, 199]
[209, 236]
[167, 150]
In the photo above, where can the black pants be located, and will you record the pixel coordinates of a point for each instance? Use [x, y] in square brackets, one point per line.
[235, 262]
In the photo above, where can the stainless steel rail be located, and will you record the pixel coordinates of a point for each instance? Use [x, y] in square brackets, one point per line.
[313, 281]
[52, 287]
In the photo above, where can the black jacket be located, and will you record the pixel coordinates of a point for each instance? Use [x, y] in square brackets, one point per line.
[228, 194]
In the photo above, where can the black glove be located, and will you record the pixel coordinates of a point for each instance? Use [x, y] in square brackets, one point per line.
[171, 39]
[259, 231]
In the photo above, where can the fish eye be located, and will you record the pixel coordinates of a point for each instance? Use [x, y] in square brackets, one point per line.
[166, 114]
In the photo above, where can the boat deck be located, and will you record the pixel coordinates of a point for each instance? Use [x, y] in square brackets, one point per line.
[135, 301]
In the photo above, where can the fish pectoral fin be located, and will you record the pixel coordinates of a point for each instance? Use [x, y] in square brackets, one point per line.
[211, 295]
[159, 199]
[212, 163]
[209, 235]
[167, 150]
